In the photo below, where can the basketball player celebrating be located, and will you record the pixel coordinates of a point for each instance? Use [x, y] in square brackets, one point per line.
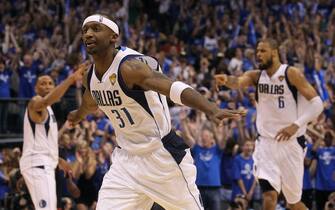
[151, 163]
[286, 102]
[40, 140]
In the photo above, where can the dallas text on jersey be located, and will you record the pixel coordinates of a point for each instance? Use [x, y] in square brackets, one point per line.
[271, 89]
[107, 97]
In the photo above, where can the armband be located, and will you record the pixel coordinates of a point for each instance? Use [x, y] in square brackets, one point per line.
[175, 91]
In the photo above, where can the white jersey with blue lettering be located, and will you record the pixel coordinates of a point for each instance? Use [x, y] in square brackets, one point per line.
[140, 118]
[40, 142]
[279, 103]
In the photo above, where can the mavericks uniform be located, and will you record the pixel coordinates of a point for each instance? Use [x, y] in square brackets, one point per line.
[151, 163]
[39, 160]
[280, 163]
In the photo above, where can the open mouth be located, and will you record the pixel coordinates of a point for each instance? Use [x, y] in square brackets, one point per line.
[90, 43]
[258, 60]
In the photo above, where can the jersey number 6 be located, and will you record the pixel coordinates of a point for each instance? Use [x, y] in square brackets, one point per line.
[281, 103]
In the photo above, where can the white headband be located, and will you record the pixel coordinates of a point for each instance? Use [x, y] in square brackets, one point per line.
[103, 20]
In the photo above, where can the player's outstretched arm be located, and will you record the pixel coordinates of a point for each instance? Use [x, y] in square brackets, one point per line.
[87, 106]
[249, 78]
[38, 103]
[137, 73]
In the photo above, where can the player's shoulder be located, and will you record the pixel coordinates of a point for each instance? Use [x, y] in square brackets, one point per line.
[33, 100]
[134, 65]
[293, 70]
[294, 74]
[131, 66]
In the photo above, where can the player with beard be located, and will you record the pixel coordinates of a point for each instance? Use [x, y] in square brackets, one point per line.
[286, 102]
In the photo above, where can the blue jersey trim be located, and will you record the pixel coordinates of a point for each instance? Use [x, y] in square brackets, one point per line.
[136, 94]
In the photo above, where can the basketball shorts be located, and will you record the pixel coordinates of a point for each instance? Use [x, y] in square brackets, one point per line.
[282, 165]
[165, 176]
[41, 184]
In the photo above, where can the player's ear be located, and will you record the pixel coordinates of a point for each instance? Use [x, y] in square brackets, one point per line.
[35, 87]
[114, 38]
[274, 52]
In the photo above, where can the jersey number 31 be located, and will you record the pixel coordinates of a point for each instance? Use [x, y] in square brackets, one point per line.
[120, 119]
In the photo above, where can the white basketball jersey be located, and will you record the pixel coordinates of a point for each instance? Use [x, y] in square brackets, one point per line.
[140, 118]
[278, 103]
[40, 142]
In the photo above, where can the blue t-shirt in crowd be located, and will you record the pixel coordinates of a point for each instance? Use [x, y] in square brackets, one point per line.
[166, 66]
[242, 169]
[3, 186]
[319, 78]
[247, 65]
[101, 123]
[207, 161]
[307, 183]
[325, 171]
[5, 83]
[227, 169]
[28, 78]
[249, 118]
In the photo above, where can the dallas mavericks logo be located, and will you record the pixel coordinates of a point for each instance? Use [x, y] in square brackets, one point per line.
[206, 156]
[42, 203]
[326, 157]
[101, 18]
[247, 171]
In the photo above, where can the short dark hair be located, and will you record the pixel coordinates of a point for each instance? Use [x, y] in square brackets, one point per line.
[42, 75]
[272, 42]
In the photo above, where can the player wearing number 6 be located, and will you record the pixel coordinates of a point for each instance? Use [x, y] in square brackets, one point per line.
[151, 163]
[286, 102]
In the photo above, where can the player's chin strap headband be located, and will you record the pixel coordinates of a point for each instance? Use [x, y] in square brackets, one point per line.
[103, 20]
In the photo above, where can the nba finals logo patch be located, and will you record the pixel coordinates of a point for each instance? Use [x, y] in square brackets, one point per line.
[112, 79]
[101, 18]
[281, 78]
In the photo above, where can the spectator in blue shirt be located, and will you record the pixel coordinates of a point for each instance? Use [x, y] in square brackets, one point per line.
[227, 160]
[207, 157]
[4, 179]
[248, 60]
[307, 192]
[325, 171]
[104, 161]
[101, 123]
[5, 76]
[28, 74]
[244, 182]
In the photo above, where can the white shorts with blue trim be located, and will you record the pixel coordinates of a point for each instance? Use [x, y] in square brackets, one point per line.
[282, 165]
[137, 181]
[41, 184]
